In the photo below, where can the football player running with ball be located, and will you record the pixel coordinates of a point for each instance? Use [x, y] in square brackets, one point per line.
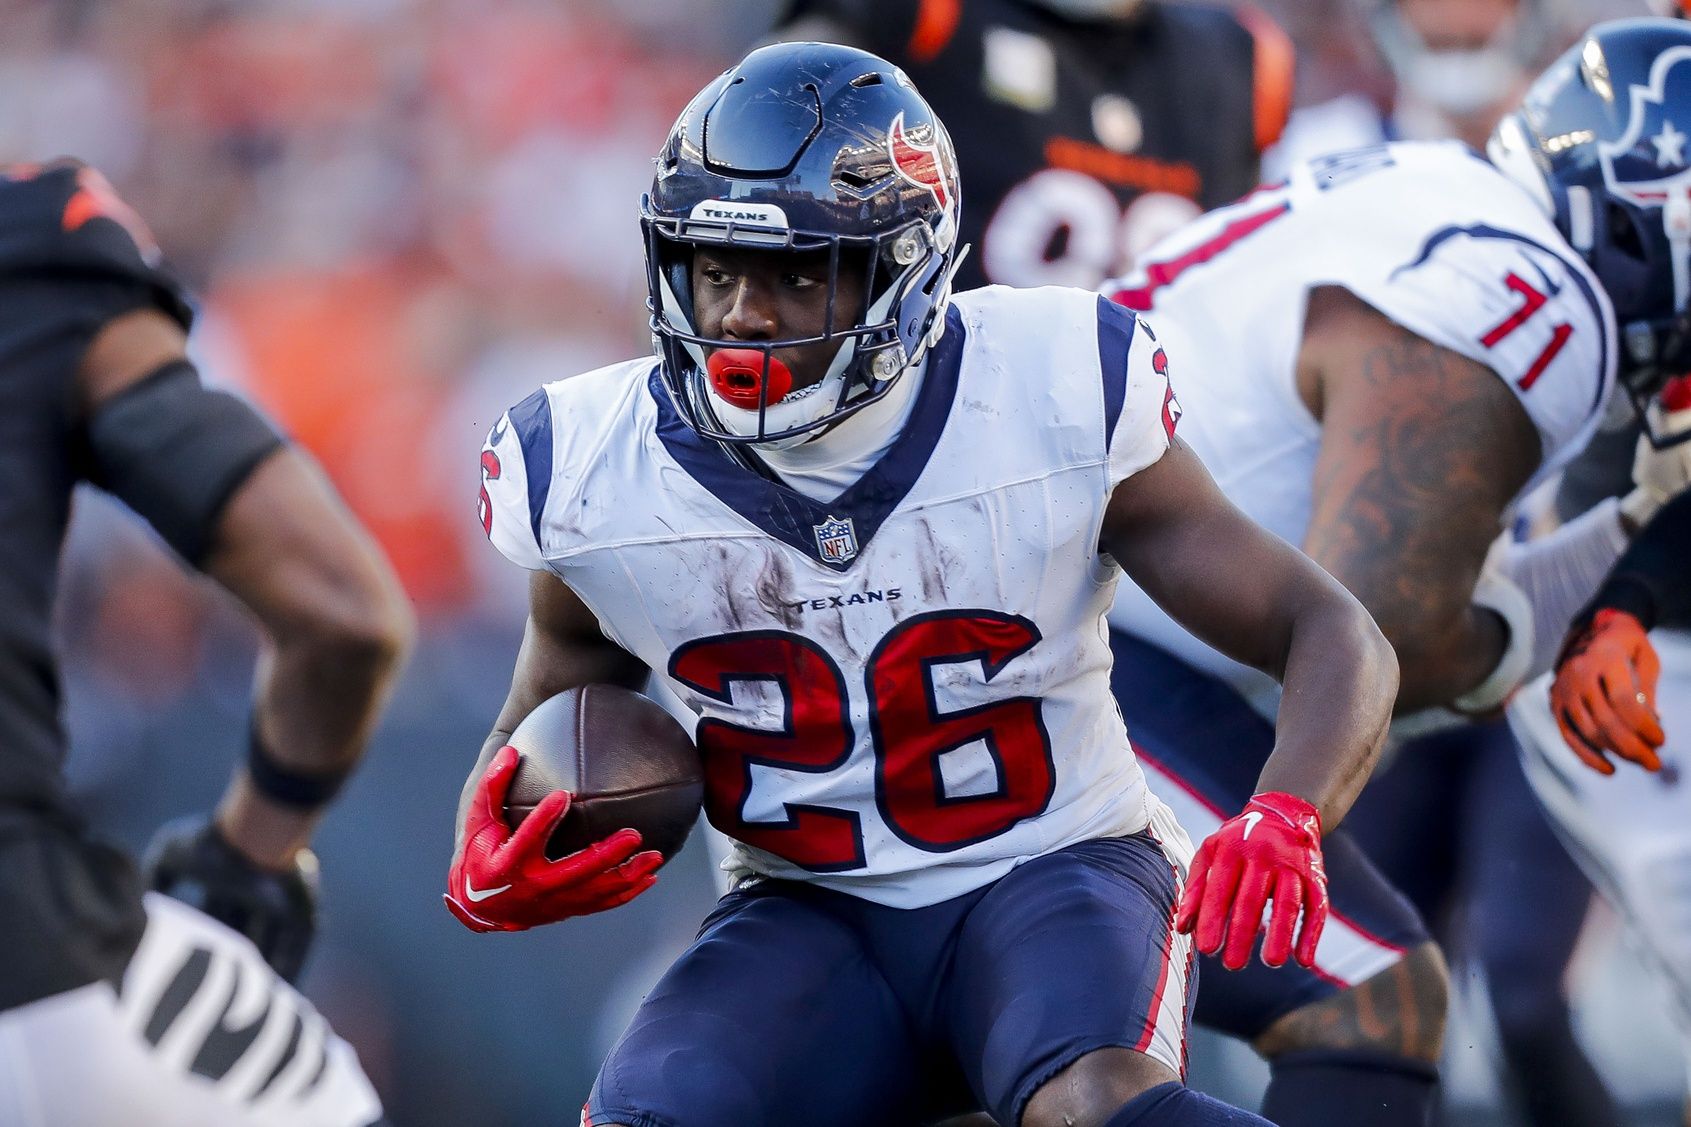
[867, 532]
[1392, 346]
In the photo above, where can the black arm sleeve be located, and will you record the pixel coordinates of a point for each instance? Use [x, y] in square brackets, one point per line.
[1652, 580]
[175, 451]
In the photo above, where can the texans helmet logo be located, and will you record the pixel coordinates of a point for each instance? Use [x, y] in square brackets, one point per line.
[922, 165]
[1650, 158]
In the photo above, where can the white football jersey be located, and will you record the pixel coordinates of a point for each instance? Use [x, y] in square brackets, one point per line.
[904, 692]
[1429, 234]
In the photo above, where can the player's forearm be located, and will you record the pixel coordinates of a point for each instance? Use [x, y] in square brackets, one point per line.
[318, 698]
[489, 748]
[1340, 680]
[563, 647]
[1437, 667]
[1649, 580]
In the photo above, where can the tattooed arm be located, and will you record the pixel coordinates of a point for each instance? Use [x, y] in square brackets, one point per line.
[1421, 452]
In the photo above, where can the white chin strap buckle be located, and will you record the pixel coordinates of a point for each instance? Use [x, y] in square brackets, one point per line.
[1676, 223]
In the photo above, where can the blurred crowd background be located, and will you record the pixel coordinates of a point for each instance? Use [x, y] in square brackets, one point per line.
[397, 218]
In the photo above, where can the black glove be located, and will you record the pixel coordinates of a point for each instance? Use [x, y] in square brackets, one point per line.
[190, 860]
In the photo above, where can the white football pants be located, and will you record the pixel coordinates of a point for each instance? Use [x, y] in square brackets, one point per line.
[1630, 831]
[203, 1034]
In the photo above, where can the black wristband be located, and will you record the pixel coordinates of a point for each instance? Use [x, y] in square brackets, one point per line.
[1630, 594]
[287, 786]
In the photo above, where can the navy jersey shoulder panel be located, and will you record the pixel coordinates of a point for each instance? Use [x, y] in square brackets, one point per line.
[1116, 327]
[532, 420]
[1210, 40]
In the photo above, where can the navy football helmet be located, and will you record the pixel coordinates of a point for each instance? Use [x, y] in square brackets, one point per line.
[1603, 141]
[803, 147]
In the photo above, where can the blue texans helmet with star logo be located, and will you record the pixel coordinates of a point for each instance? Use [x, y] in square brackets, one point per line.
[1603, 141]
[803, 147]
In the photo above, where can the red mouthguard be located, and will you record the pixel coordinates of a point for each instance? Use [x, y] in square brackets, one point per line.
[1676, 396]
[738, 374]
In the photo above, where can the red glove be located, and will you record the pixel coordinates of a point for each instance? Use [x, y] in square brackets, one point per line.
[1604, 698]
[502, 881]
[1271, 850]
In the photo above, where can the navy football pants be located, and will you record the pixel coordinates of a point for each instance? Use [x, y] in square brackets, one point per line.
[800, 1005]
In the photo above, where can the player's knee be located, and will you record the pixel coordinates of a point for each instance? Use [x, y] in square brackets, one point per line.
[1092, 1089]
[1399, 1012]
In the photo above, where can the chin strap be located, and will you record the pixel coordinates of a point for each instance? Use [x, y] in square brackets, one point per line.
[1676, 222]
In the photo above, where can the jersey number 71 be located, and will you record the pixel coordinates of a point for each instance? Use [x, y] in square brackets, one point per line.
[1532, 300]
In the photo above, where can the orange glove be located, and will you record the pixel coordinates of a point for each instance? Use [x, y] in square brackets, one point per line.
[1604, 698]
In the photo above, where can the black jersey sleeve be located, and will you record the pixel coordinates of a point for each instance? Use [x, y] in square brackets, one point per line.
[1245, 97]
[62, 226]
[1652, 580]
[894, 29]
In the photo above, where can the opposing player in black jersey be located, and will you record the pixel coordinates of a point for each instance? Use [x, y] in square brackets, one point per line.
[119, 1006]
[1085, 129]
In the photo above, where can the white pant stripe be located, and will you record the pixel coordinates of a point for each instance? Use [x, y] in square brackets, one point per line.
[1346, 955]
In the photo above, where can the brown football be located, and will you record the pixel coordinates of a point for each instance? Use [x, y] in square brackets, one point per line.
[626, 760]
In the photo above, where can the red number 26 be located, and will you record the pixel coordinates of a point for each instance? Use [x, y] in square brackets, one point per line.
[908, 731]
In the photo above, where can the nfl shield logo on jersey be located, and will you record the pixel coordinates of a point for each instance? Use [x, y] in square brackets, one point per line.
[836, 540]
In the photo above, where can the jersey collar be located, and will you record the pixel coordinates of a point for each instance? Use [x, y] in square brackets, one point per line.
[832, 533]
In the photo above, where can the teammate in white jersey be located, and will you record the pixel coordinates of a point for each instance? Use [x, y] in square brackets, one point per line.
[867, 534]
[1391, 347]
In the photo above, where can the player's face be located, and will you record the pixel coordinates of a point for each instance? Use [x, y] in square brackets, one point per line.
[1458, 25]
[760, 295]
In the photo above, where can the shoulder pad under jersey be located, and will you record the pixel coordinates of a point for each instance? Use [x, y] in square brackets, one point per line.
[65, 221]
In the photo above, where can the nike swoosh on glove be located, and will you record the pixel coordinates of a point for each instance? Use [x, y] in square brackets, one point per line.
[1604, 697]
[1270, 851]
[501, 880]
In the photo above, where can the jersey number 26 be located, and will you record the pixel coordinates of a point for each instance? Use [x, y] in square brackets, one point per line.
[908, 731]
